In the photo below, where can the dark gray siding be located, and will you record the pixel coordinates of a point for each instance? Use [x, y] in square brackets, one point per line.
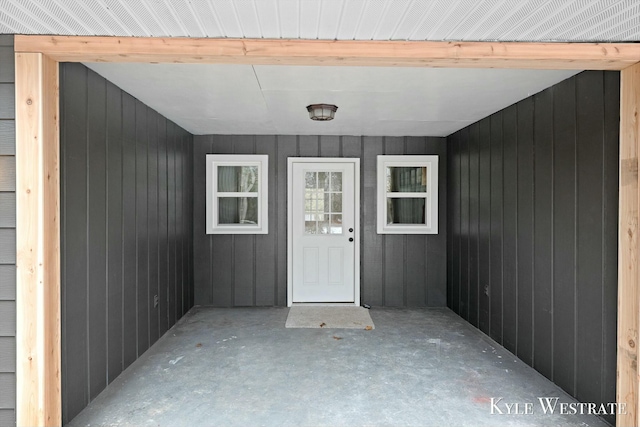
[7, 233]
[126, 232]
[545, 202]
[396, 270]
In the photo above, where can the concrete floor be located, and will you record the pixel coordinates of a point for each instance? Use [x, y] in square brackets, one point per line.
[241, 367]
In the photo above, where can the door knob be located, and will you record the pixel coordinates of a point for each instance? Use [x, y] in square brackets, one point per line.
[351, 230]
[351, 239]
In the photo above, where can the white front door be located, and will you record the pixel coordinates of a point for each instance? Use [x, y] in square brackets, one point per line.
[323, 231]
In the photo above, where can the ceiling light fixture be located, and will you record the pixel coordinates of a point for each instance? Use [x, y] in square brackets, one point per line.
[321, 112]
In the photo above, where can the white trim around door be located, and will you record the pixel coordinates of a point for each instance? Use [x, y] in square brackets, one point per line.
[313, 163]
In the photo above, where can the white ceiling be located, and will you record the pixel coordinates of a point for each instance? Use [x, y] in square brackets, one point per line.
[244, 99]
[522, 20]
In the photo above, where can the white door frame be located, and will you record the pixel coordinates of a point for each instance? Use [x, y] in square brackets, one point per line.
[356, 212]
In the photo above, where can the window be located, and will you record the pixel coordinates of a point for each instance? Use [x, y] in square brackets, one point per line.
[407, 194]
[237, 194]
[323, 203]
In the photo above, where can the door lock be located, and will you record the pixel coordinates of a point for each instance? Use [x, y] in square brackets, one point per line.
[351, 239]
[351, 230]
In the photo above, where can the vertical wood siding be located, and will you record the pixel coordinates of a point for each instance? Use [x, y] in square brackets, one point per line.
[7, 233]
[533, 239]
[126, 232]
[251, 270]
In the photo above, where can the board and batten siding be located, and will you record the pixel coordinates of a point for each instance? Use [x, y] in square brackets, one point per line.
[126, 179]
[7, 233]
[251, 270]
[533, 202]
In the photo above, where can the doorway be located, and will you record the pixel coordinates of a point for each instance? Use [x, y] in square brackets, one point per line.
[323, 231]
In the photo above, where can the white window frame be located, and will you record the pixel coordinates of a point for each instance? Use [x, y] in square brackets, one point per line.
[431, 196]
[216, 160]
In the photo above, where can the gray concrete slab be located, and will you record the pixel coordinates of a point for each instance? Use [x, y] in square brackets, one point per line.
[242, 367]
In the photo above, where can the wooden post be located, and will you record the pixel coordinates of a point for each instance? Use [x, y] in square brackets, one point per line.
[628, 251]
[37, 241]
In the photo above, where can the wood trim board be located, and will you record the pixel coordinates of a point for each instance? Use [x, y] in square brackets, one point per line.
[38, 241]
[628, 251]
[600, 56]
[37, 156]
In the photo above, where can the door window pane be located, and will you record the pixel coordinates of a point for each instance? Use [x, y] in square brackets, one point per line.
[310, 179]
[323, 180]
[336, 202]
[336, 224]
[336, 181]
[327, 202]
[310, 227]
[324, 227]
[323, 200]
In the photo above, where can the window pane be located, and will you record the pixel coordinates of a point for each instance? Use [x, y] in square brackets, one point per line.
[405, 210]
[240, 179]
[323, 180]
[324, 227]
[336, 224]
[310, 180]
[327, 202]
[336, 202]
[314, 209]
[237, 210]
[406, 179]
[336, 181]
[310, 227]
[323, 199]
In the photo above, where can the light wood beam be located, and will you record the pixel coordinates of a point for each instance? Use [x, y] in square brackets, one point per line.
[38, 241]
[576, 56]
[628, 252]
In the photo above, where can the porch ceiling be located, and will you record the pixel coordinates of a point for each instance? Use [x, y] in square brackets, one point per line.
[271, 99]
[245, 99]
[472, 20]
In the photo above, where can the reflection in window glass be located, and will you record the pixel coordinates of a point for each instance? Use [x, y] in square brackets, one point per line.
[406, 210]
[310, 180]
[336, 181]
[336, 224]
[323, 180]
[237, 210]
[238, 179]
[310, 227]
[324, 227]
[336, 202]
[406, 179]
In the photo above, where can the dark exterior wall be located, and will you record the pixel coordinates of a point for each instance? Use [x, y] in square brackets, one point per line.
[251, 270]
[7, 233]
[533, 202]
[126, 231]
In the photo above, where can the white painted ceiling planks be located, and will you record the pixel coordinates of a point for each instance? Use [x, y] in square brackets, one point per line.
[244, 99]
[472, 20]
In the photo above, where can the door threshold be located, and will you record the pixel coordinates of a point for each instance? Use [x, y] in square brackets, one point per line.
[323, 304]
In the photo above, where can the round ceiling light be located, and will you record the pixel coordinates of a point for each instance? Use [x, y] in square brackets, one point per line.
[321, 112]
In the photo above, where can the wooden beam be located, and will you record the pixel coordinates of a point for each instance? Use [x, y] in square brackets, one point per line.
[38, 242]
[576, 56]
[628, 251]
